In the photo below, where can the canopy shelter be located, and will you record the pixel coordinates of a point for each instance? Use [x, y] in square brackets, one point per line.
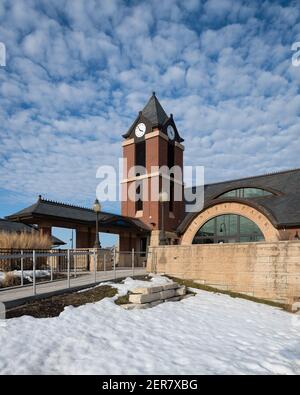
[47, 214]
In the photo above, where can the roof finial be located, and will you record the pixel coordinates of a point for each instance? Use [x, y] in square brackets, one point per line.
[171, 116]
[153, 93]
[40, 197]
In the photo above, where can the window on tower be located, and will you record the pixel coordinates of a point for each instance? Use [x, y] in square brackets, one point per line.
[139, 202]
[171, 154]
[140, 154]
[171, 202]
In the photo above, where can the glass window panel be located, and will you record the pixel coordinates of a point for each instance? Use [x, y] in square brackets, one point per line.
[227, 225]
[248, 227]
[228, 228]
[246, 193]
[208, 229]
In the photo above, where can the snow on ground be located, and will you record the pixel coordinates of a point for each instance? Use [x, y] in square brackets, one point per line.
[2, 276]
[27, 274]
[205, 334]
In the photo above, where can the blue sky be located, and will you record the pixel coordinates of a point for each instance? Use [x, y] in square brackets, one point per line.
[79, 71]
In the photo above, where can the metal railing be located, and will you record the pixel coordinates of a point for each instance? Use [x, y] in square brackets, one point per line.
[20, 268]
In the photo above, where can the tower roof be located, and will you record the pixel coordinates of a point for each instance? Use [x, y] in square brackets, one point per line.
[153, 116]
[154, 111]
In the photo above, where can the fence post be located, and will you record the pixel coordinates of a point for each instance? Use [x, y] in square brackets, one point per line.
[75, 265]
[68, 262]
[104, 262]
[115, 258]
[22, 268]
[95, 266]
[51, 272]
[132, 261]
[34, 273]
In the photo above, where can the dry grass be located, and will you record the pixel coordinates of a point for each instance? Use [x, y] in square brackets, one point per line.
[24, 240]
[10, 281]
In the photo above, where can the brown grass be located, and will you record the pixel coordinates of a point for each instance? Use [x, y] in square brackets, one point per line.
[24, 240]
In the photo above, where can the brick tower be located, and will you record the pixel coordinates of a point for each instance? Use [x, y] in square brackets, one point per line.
[153, 141]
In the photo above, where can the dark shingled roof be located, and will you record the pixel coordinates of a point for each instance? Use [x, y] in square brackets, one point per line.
[76, 214]
[17, 227]
[154, 112]
[153, 115]
[282, 208]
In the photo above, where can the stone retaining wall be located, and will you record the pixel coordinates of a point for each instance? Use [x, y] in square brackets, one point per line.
[264, 270]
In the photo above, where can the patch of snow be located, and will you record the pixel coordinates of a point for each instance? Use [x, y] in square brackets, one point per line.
[2, 276]
[206, 334]
[27, 274]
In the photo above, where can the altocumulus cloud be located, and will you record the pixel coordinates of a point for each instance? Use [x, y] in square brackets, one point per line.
[79, 71]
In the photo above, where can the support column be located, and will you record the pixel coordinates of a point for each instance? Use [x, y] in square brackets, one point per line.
[45, 230]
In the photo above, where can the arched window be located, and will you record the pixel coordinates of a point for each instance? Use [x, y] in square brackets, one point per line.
[228, 228]
[246, 193]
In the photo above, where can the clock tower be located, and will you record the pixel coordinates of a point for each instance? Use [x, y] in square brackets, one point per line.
[153, 163]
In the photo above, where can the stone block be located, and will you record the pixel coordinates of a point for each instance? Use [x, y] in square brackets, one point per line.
[180, 291]
[157, 288]
[295, 307]
[139, 298]
[143, 291]
[147, 291]
[174, 299]
[167, 294]
[170, 286]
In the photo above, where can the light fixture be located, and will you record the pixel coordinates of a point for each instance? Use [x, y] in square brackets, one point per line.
[97, 206]
[97, 209]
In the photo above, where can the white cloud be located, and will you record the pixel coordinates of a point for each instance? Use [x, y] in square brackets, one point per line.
[78, 73]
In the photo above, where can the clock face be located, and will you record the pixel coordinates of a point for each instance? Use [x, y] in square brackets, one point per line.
[171, 132]
[140, 130]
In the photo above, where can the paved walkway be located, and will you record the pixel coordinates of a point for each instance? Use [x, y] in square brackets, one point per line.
[16, 296]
